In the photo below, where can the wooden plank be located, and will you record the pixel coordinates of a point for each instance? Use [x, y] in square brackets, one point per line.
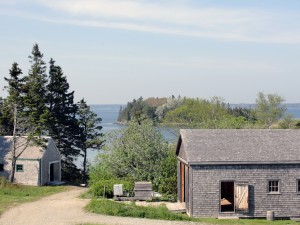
[182, 170]
[241, 197]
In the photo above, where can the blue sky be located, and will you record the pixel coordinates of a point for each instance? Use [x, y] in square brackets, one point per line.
[115, 50]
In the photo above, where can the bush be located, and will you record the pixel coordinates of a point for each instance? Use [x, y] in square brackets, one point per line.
[97, 188]
[136, 151]
[168, 173]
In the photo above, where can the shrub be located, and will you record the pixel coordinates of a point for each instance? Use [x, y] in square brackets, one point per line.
[168, 175]
[97, 188]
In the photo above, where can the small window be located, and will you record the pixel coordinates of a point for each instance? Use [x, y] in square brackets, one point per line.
[19, 168]
[273, 186]
[298, 186]
[1, 167]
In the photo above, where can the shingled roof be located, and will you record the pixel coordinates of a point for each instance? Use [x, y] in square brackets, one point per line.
[244, 146]
[31, 151]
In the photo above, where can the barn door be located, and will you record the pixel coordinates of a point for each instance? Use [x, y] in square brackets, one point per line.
[241, 197]
[182, 179]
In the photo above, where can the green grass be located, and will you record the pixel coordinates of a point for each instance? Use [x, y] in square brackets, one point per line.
[12, 194]
[108, 207]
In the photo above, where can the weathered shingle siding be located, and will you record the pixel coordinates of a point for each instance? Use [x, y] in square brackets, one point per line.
[206, 188]
[30, 174]
[186, 183]
[182, 154]
[51, 154]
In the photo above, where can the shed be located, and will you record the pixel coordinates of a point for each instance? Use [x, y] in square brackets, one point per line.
[239, 173]
[36, 165]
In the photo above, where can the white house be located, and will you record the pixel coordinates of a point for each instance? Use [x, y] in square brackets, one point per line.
[35, 166]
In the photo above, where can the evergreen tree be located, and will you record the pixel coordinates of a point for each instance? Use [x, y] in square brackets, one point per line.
[13, 118]
[35, 93]
[14, 87]
[62, 123]
[90, 136]
[5, 118]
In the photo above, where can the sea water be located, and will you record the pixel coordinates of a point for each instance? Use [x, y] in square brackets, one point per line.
[109, 115]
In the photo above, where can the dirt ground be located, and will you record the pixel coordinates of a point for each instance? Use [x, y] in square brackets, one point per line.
[67, 208]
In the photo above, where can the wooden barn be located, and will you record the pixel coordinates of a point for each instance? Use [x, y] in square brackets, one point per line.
[239, 173]
[36, 165]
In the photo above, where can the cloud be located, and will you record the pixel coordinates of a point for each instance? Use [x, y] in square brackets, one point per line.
[142, 10]
[219, 23]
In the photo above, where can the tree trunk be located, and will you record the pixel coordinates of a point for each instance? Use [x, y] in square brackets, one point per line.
[84, 165]
[13, 169]
[14, 158]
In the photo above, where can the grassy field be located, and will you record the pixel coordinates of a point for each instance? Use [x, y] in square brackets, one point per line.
[107, 207]
[12, 194]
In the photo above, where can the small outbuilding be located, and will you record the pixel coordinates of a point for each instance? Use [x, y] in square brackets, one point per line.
[35, 166]
[239, 173]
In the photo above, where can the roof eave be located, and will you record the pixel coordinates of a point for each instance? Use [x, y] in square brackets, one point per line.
[244, 163]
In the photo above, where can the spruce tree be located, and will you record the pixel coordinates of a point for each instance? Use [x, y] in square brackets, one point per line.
[13, 111]
[14, 87]
[90, 136]
[62, 123]
[35, 93]
[5, 118]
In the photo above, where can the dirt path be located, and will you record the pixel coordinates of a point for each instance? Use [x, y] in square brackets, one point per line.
[67, 209]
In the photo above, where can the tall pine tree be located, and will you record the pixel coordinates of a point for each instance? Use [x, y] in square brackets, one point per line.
[62, 122]
[35, 93]
[22, 133]
[90, 136]
[14, 100]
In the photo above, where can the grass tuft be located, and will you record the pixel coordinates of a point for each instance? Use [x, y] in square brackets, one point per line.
[108, 207]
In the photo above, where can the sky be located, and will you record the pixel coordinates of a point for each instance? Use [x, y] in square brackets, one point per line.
[113, 51]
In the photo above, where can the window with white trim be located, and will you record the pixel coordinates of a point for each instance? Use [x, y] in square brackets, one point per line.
[273, 186]
[298, 186]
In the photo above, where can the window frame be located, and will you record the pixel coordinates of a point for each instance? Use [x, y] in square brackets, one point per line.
[20, 170]
[298, 186]
[1, 167]
[278, 186]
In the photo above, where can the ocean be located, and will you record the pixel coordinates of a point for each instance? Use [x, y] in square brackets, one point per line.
[109, 115]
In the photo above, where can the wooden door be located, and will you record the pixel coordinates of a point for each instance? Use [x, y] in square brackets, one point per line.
[182, 179]
[241, 197]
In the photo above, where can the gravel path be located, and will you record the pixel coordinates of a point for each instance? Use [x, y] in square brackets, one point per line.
[67, 209]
